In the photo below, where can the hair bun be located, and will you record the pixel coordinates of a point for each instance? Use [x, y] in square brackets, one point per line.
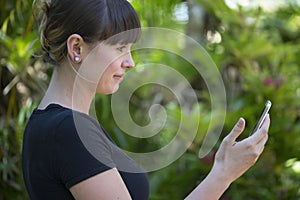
[40, 10]
[93, 20]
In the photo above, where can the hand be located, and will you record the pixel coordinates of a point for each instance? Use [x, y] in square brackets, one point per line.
[234, 158]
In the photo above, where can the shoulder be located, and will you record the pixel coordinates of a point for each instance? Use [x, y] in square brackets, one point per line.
[78, 130]
[75, 124]
[82, 148]
[83, 127]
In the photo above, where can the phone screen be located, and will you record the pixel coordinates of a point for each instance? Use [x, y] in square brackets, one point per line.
[262, 116]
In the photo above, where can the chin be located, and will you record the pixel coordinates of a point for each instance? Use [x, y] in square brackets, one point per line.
[108, 91]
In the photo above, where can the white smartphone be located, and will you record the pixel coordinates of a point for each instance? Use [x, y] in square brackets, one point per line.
[262, 116]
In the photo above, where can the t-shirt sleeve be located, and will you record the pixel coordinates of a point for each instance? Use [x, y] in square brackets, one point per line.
[82, 149]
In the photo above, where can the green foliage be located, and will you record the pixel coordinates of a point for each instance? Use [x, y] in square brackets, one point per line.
[11, 135]
[260, 61]
[155, 13]
[257, 56]
[21, 82]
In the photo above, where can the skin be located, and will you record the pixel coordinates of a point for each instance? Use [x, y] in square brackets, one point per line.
[107, 185]
[101, 69]
[232, 160]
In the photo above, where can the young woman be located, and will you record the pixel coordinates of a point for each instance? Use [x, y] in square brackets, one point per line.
[66, 153]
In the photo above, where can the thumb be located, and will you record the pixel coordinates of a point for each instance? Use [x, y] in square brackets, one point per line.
[237, 130]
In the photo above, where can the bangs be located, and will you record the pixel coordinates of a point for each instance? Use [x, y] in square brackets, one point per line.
[123, 25]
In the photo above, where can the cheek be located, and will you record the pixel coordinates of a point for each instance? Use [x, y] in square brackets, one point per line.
[110, 70]
[115, 65]
[107, 84]
[105, 72]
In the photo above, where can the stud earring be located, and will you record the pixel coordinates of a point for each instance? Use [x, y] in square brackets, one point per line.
[77, 59]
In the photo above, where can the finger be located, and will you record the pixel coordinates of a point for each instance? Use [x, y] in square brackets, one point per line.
[261, 132]
[261, 144]
[266, 122]
[237, 130]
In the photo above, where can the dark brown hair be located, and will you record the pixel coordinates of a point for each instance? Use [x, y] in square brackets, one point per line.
[93, 20]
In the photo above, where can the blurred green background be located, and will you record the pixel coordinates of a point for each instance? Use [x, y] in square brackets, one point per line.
[255, 45]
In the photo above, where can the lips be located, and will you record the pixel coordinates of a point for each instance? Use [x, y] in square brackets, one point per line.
[119, 76]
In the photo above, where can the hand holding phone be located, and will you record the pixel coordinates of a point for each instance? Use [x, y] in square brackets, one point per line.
[262, 116]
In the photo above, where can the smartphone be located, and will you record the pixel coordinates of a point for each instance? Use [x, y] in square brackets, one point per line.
[263, 115]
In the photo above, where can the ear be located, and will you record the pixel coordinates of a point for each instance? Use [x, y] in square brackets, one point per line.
[75, 45]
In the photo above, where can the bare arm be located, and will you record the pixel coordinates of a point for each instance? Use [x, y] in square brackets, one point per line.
[232, 160]
[106, 185]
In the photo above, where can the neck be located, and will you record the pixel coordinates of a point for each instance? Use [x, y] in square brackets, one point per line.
[69, 90]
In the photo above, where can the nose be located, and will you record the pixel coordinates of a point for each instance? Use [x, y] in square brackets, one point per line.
[128, 61]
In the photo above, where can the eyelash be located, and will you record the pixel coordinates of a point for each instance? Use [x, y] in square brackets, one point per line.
[121, 49]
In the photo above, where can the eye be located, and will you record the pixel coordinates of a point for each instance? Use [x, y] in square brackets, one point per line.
[121, 49]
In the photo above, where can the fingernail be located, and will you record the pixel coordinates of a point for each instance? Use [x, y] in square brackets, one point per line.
[240, 120]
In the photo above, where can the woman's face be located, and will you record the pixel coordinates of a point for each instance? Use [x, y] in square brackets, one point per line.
[110, 63]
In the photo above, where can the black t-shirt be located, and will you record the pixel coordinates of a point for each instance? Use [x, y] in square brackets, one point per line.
[62, 147]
